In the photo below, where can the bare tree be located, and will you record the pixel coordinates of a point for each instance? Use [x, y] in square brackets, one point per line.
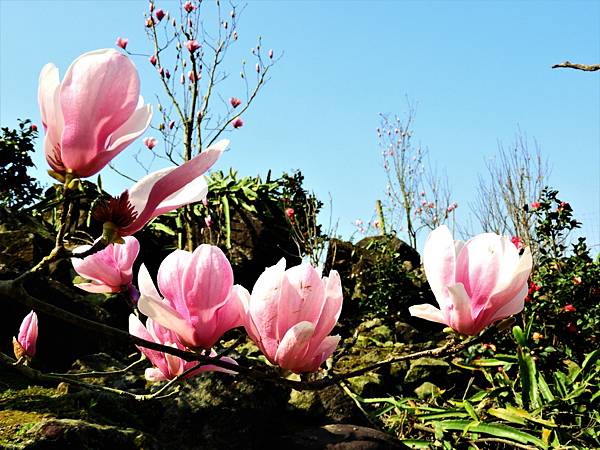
[515, 177]
[417, 195]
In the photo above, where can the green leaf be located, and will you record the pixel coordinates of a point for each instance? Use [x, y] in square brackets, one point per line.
[519, 336]
[527, 373]
[416, 443]
[591, 360]
[162, 227]
[544, 388]
[225, 203]
[491, 429]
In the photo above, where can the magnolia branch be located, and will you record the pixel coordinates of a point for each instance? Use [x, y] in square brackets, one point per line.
[12, 290]
[584, 67]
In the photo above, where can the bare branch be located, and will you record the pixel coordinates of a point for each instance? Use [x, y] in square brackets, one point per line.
[584, 67]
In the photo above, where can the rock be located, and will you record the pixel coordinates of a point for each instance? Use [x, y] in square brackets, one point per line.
[330, 404]
[338, 437]
[426, 369]
[427, 390]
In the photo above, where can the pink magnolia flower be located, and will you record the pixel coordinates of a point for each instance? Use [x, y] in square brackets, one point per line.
[160, 14]
[200, 301]
[109, 270]
[192, 45]
[150, 142]
[291, 313]
[159, 192]
[167, 366]
[122, 42]
[235, 102]
[475, 283]
[93, 114]
[24, 345]
[237, 122]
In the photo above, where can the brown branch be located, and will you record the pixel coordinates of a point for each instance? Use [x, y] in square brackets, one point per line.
[584, 67]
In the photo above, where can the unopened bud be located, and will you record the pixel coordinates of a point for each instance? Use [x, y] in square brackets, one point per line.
[235, 102]
[237, 122]
[257, 68]
[271, 54]
[160, 14]
[122, 42]
[171, 124]
[153, 60]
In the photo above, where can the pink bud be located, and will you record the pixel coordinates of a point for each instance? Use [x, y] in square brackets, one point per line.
[423, 202]
[33, 127]
[192, 45]
[171, 124]
[160, 14]
[122, 42]
[192, 76]
[149, 142]
[257, 68]
[189, 7]
[290, 212]
[208, 221]
[271, 54]
[225, 24]
[153, 60]
[25, 344]
[161, 72]
[235, 102]
[151, 6]
[167, 74]
[237, 122]
[423, 194]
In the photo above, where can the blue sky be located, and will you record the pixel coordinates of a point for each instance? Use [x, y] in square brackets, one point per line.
[478, 71]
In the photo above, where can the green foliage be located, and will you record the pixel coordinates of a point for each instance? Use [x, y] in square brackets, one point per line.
[564, 298]
[18, 188]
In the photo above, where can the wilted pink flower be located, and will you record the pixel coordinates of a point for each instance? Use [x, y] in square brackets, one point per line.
[200, 301]
[24, 345]
[93, 114]
[189, 7]
[158, 193]
[291, 313]
[122, 42]
[535, 205]
[208, 221]
[153, 60]
[167, 366]
[149, 142]
[235, 102]
[192, 45]
[237, 122]
[109, 270]
[475, 283]
[160, 14]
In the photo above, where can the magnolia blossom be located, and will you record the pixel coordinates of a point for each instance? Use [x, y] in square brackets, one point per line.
[235, 102]
[158, 193]
[167, 366]
[475, 283]
[93, 114]
[24, 345]
[109, 270]
[290, 314]
[200, 301]
[237, 122]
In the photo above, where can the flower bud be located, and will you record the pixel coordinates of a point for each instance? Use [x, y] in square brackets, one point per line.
[153, 60]
[189, 7]
[160, 14]
[33, 127]
[257, 68]
[290, 213]
[171, 124]
[235, 102]
[122, 42]
[192, 45]
[237, 122]
[271, 54]
[149, 142]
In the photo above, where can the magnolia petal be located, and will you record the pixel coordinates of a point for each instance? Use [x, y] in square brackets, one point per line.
[136, 328]
[146, 285]
[294, 345]
[427, 312]
[97, 288]
[264, 302]
[168, 318]
[28, 333]
[323, 351]
[332, 307]
[153, 374]
[169, 186]
[169, 278]
[98, 95]
[52, 117]
[125, 256]
[459, 313]
[101, 267]
[302, 297]
[439, 261]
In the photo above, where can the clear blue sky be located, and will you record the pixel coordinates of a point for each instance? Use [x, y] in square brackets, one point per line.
[477, 70]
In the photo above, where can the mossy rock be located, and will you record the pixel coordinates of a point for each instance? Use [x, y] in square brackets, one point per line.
[423, 369]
